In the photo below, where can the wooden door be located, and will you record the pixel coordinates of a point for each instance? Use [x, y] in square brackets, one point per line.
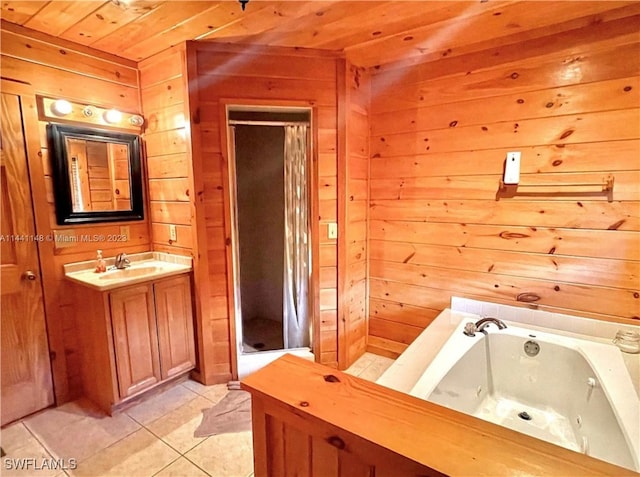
[135, 338]
[175, 325]
[26, 383]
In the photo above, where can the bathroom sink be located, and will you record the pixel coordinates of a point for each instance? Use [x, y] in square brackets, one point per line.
[132, 272]
[145, 267]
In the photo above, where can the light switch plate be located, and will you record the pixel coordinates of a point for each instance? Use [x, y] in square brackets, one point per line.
[332, 231]
[125, 231]
[173, 234]
[512, 168]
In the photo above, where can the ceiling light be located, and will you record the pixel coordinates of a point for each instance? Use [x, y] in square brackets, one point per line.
[61, 107]
[112, 116]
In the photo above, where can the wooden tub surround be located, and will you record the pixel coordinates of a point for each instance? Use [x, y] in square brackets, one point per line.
[311, 420]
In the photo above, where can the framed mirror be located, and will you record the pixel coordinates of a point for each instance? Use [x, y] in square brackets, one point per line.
[97, 175]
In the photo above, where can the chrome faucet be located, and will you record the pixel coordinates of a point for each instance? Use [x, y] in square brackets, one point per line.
[470, 328]
[122, 261]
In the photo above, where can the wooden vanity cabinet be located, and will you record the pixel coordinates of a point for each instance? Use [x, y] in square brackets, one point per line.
[135, 337]
[175, 334]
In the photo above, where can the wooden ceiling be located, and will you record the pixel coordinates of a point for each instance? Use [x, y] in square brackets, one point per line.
[370, 33]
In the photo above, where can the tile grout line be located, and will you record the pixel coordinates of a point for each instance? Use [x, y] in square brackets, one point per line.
[145, 426]
[43, 444]
[193, 463]
[169, 464]
[168, 444]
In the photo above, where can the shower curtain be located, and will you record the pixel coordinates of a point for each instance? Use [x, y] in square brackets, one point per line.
[297, 249]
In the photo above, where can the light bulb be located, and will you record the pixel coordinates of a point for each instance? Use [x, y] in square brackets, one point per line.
[61, 107]
[112, 116]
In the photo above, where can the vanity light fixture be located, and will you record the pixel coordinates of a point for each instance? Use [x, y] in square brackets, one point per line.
[112, 116]
[136, 120]
[61, 107]
[88, 111]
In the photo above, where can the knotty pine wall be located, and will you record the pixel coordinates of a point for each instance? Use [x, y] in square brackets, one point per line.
[164, 96]
[353, 179]
[440, 132]
[61, 69]
[176, 194]
[260, 75]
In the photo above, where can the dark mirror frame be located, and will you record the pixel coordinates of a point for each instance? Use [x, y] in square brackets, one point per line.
[56, 135]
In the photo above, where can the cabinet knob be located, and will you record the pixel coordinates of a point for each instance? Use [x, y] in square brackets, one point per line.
[29, 275]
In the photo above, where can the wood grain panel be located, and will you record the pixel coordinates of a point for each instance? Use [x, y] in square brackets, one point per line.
[585, 157]
[167, 166]
[164, 94]
[440, 133]
[292, 88]
[266, 65]
[615, 244]
[488, 25]
[621, 93]
[402, 89]
[174, 189]
[55, 17]
[593, 127]
[20, 12]
[170, 212]
[72, 86]
[404, 314]
[51, 55]
[547, 186]
[592, 271]
[575, 296]
[579, 214]
[353, 195]
[106, 19]
[166, 142]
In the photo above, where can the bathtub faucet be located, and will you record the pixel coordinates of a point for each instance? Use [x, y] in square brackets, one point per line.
[486, 321]
[471, 328]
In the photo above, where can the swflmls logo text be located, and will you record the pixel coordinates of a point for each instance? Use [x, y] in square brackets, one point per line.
[32, 463]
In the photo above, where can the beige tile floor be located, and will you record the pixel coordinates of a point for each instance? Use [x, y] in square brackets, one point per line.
[152, 438]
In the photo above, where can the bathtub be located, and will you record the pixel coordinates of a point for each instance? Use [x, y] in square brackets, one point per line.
[572, 392]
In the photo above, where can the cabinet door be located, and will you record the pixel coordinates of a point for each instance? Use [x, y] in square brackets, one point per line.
[135, 339]
[175, 325]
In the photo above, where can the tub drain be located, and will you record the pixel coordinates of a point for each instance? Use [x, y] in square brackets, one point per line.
[524, 415]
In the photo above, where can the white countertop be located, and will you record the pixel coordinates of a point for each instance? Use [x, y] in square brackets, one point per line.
[145, 266]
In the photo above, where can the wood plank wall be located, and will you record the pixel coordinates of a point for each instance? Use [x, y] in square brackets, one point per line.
[353, 179]
[61, 69]
[168, 161]
[262, 75]
[176, 189]
[440, 133]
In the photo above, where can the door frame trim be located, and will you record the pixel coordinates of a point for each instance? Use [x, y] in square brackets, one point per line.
[228, 202]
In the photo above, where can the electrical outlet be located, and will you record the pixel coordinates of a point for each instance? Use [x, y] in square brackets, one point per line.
[125, 232]
[332, 231]
[173, 234]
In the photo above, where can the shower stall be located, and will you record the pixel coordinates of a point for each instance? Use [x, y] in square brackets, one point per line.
[270, 205]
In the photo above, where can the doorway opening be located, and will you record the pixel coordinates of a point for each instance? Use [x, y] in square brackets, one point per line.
[270, 192]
